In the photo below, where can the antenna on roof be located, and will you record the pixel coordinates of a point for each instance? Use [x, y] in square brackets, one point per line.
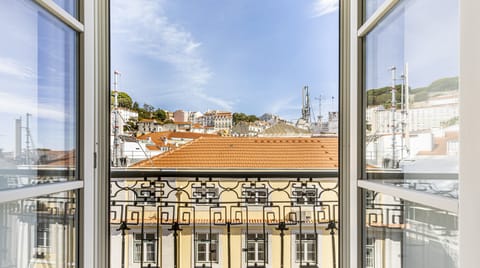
[116, 138]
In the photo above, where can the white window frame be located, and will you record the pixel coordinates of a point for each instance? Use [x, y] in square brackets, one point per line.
[144, 244]
[91, 244]
[295, 261]
[215, 264]
[268, 249]
[351, 32]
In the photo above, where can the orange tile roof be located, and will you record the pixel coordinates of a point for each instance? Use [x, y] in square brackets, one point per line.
[227, 152]
[66, 160]
[157, 136]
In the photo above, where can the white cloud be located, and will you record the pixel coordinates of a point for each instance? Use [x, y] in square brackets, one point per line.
[324, 7]
[143, 27]
[20, 105]
[12, 68]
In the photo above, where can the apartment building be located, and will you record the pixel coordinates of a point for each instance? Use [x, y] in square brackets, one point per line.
[54, 65]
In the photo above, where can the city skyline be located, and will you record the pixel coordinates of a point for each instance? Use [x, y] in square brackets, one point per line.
[183, 55]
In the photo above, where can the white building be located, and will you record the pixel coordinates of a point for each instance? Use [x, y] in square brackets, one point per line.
[218, 120]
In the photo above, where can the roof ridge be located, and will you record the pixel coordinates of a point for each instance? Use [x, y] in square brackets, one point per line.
[159, 156]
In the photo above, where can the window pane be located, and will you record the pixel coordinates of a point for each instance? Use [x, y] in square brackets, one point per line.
[201, 256]
[45, 227]
[150, 252]
[38, 88]
[370, 7]
[137, 252]
[411, 92]
[71, 6]
[407, 234]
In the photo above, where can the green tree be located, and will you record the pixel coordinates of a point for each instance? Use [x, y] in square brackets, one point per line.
[241, 117]
[135, 106]
[149, 108]
[160, 114]
[124, 100]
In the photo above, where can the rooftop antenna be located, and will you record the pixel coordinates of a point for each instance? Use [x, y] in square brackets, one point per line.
[28, 140]
[393, 110]
[306, 105]
[319, 98]
[116, 139]
[407, 108]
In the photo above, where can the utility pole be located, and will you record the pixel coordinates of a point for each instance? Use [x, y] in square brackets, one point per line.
[407, 109]
[116, 142]
[393, 110]
[27, 139]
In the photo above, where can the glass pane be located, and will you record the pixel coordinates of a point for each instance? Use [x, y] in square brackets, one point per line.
[38, 88]
[137, 252]
[150, 252]
[44, 227]
[412, 94]
[370, 7]
[202, 256]
[71, 6]
[407, 234]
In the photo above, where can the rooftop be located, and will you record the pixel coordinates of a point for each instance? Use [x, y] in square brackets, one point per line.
[252, 153]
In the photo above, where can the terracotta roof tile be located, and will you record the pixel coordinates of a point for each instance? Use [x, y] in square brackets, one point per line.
[227, 152]
[157, 137]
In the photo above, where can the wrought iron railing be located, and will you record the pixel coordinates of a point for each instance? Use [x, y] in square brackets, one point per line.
[224, 218]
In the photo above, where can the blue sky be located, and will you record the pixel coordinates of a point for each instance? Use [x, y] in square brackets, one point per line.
[37, 76]
[242, 56]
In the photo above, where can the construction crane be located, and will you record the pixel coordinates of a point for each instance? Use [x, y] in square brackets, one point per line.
[306, 109]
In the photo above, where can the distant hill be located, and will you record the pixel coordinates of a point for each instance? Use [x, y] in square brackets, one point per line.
[382, 96]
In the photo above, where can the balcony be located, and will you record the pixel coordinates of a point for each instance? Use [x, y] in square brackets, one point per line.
[234, 218]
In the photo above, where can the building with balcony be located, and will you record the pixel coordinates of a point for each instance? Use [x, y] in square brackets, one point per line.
[234, 219]
[78, 212]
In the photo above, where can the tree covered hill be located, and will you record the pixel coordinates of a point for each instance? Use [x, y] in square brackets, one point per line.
[383, 96]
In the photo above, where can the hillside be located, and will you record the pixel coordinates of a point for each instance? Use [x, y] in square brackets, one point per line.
[382, 96]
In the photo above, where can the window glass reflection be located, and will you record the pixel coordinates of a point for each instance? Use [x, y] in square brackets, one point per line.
[71, 6]
[370, 7]
[38, 87]
[411, 83]
[399, 233]
[39, 230]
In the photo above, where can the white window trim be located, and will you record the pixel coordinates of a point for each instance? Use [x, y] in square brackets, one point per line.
[132, 248]
[427, 199]
[469, 235]
[219, 234]
[269, 246]
[38, 190]
[293, 247]
[376, 17]
[469, 183]
[61, 14]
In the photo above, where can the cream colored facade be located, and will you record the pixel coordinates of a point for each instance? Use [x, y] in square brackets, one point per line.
[243, 216]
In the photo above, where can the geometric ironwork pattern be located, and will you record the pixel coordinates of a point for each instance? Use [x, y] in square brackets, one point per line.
[271, 205]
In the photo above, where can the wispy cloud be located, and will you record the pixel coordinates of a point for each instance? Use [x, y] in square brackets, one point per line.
[12, 68]
[19, 105]
[324, 7]
[287, 107]
[144, 26]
